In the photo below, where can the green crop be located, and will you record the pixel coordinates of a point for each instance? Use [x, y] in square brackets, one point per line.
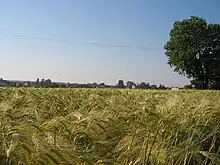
[109, 127]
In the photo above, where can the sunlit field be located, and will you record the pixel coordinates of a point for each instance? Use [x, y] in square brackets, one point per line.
[109, 127]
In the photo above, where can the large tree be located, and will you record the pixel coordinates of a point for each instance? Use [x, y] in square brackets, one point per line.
[193, 50]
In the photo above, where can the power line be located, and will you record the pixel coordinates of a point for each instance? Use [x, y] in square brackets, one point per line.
[93, 43]
[43, 39]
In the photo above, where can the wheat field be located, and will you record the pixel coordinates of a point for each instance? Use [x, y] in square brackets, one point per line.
[109, 127]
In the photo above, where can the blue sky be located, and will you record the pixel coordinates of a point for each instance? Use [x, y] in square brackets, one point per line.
[74, 25]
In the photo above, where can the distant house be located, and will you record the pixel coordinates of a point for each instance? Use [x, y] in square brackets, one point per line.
[175, 89]
[95, 85]
[74, 85]
[90, 85]
[101, 85]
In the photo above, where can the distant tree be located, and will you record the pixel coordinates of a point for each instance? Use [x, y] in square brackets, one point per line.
[94, 85]
[37, 81]
[65, 85]
[215, 85]
[54, 85]
[41, 83]
[130, 84]
[120, 84]
[47, 83]
[142, 85]
[147, 86]
[193, 50]
[18, 84]
[153, 87]
[68, 85]
[162, 87]
[188, 87]
[12, 84]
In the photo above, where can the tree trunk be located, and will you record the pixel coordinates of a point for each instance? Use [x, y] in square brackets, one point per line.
[205, 85]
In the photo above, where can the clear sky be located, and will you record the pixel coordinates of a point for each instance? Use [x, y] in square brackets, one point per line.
[93, 40]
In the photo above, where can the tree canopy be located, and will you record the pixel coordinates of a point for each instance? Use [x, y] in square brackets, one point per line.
[193, 50]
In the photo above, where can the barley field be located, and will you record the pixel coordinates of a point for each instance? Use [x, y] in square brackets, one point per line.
[109, 127]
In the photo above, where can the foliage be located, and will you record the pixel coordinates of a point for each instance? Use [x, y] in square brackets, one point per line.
[109, 126]
[120, 84]
[194, 50]
[188, 87]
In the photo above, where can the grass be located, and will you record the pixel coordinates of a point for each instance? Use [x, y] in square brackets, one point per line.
[109, 127]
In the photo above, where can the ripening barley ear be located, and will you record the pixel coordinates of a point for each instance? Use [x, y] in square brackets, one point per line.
[66, 128]
[52, 158]
[27, 148]
[37, 128]
[42, 162]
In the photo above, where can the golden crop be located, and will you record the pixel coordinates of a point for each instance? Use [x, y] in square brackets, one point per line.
[109, 127]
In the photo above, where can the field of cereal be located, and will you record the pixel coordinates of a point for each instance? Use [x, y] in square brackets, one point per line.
[109, 127]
